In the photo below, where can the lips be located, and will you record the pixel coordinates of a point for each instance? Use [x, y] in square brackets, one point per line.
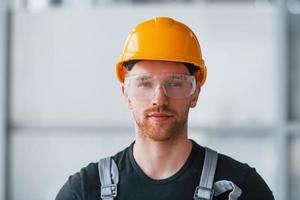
[159, 117]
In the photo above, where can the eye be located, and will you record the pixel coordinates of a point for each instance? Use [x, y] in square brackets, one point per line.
[175, 84]
[144, 84]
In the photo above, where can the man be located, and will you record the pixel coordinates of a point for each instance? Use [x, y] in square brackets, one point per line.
[161, 70]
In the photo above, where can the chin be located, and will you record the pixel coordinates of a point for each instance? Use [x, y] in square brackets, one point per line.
[160, 138]
[160, 134]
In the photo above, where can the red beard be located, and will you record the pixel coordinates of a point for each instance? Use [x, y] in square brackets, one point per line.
[164, 130]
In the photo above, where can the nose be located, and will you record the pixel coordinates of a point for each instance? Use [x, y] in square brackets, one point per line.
[159, 97]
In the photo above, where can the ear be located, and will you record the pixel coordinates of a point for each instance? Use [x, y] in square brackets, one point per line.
[195, 96]
[126, 98]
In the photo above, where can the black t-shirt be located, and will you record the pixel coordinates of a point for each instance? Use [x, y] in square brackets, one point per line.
[134, 184]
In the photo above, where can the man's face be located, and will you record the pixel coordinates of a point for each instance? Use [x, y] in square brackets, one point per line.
[156, 115]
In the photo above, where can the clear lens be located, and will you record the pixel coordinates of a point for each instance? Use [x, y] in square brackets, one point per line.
[144, 86]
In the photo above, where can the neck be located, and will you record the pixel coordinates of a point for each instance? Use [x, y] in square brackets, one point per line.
[161, 159]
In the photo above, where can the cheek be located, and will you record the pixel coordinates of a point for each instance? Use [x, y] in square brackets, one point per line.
[180, 106]
[138, 107]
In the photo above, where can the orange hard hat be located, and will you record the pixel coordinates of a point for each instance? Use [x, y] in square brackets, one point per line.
[165, 39]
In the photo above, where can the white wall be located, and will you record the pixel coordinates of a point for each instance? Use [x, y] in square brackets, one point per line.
[67, 109]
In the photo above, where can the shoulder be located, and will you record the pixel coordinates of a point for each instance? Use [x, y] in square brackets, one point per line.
[246, 177]
[85, 184]
[229, 167]
[79, 184]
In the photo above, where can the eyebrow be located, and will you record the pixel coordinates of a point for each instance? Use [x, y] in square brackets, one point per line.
[144, 77]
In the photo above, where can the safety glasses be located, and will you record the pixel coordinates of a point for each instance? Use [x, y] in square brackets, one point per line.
[145, 86]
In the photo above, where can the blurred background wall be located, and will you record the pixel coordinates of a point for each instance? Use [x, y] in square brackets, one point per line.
[61, 105]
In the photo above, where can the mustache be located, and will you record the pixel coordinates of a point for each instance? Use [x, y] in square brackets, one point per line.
[159, 109]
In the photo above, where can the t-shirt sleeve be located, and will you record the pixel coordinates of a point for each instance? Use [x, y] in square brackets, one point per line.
[255, 188]
[71, 190]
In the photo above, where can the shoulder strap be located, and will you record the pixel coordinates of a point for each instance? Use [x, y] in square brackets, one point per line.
[109, 178]
[224, 186]
[205, 189]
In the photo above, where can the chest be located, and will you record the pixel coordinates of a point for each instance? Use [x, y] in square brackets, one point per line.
[134, 187]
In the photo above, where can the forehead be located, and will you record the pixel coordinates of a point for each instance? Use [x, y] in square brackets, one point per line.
[153, 66]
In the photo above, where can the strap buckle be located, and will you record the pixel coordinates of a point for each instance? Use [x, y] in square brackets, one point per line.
[203, 193]
[108, 191]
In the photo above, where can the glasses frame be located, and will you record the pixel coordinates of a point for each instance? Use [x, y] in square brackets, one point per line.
[129, 77]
